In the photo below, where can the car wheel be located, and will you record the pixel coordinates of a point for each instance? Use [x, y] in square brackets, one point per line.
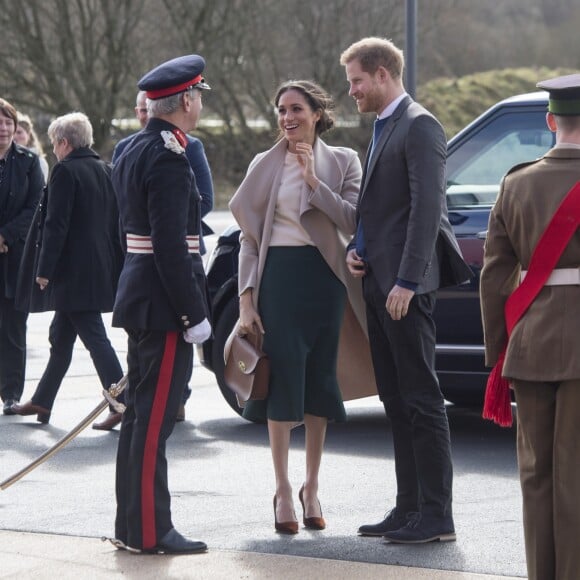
[223, 329]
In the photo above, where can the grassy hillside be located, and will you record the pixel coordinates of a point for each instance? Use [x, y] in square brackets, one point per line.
[456, 102]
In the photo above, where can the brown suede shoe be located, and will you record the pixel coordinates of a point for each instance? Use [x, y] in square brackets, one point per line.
[312, 522]
[110, 421]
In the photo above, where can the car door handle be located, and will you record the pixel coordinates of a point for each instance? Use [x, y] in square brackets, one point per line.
[481, 235]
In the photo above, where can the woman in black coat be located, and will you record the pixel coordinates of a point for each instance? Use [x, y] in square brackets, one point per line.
[78, 262]
[21, 184]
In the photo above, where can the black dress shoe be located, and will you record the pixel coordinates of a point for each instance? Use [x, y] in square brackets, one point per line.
[109, 422]
[420, 530]
[29, 408]
[174, 543]
[394, 520]
[8, 403]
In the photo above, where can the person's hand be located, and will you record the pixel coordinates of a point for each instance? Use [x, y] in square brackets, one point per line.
[398, 302]
[3, 246]
[250, 321]
[42, 282]
[355, 264]
[198, 333]
[306, 160]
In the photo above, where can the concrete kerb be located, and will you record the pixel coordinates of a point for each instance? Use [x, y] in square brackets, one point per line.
[44, 556]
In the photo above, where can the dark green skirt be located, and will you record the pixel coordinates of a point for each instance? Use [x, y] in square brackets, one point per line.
[301, 305]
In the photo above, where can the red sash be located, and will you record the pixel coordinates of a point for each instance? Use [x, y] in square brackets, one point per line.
[497, 404]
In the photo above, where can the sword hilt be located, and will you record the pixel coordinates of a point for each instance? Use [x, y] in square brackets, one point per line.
[113, 392]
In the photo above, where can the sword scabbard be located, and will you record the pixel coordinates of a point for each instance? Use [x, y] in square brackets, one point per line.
[118, 389]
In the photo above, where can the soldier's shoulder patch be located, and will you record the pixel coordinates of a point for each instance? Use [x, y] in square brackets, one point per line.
[172, 142]
[522, 165]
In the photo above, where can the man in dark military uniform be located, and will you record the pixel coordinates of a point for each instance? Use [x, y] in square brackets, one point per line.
[161, 300]
[541, 359]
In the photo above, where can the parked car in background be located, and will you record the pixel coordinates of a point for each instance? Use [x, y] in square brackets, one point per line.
[512, 131]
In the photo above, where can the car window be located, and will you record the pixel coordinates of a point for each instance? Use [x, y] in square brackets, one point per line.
[475, 168]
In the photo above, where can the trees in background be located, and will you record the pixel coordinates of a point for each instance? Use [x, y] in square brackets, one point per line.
[63, 55]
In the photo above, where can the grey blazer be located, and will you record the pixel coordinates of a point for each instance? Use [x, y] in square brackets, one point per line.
[402, 204]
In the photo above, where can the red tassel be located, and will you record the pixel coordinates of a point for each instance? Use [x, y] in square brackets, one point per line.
[497, 404]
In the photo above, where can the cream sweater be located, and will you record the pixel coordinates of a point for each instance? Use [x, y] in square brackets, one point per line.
[287, 229]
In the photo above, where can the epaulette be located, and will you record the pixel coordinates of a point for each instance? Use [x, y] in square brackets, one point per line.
[174, 140]
[521, 165]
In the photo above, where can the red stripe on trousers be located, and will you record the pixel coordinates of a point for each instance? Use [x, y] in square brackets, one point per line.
[152, 441]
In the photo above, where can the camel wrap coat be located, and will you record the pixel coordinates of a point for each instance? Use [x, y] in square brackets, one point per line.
[328, 216]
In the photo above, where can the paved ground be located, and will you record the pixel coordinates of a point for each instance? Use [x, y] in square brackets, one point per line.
[40, 556]
[220, 475]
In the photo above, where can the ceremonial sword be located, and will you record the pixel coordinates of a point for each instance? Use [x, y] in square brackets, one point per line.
[110, 397]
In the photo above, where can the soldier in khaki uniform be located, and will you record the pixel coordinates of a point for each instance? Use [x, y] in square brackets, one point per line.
[542, 360]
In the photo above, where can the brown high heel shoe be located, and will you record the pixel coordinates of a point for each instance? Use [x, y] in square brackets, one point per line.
[29, 408]
[290, 527]
[312, 523]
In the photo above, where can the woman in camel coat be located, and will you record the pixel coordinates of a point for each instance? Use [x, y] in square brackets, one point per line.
[296, 207]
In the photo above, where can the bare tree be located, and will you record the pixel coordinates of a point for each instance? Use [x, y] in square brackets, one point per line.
[63, 55]
[251, 47]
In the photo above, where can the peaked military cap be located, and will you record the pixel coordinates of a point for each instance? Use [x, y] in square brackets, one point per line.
[174, 76]
[564, 94]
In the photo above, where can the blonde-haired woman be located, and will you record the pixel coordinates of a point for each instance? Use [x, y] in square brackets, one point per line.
[26, 137]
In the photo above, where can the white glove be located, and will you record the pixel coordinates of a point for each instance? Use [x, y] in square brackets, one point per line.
[198, 333]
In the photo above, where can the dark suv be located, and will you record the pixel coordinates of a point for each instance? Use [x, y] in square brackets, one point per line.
[512, 131]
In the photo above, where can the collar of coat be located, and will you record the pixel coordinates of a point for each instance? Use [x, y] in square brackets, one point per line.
[264, 174]
[385, 135]
[554, 153]
[81, 152]
[22, 150]
[563, 153]
[16, 149]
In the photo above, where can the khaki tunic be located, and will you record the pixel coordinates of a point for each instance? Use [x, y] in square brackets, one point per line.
[545, 343]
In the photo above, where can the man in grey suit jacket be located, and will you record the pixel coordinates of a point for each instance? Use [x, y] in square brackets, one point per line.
[405, 250]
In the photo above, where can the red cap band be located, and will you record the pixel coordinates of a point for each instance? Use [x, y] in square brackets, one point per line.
[160, 93]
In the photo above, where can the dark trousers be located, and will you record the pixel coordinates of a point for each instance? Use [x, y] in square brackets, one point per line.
[158, 364]
[12, 350]
[403, 353]
[187, 390]
[548, 444]
[64, 329]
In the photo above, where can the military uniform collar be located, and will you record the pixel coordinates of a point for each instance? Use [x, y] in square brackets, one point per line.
[157, 125]
[563, 152]
[567, 146]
